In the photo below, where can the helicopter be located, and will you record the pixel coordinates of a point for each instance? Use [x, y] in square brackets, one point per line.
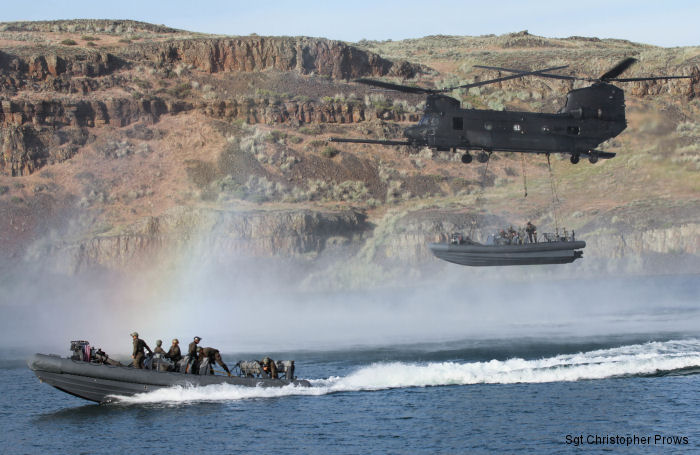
[590, 116]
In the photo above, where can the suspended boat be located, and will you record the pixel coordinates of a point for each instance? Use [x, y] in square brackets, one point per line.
[552, 249]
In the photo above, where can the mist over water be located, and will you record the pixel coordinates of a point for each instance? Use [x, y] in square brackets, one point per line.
[239, 304]
[244, 309]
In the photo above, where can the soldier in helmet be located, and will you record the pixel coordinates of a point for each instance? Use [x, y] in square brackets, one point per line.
[531, 232]
[192, 352]
[138, 353]
[270, 367]
[214, 356]
[174, 351]
[159, 348]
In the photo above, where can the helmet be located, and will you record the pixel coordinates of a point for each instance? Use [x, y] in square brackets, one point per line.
[197, 339]
[175, 340]
[134, 334]
[159, 342]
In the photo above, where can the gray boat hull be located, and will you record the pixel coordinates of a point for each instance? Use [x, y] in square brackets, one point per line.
[478, 255]
[99, 382]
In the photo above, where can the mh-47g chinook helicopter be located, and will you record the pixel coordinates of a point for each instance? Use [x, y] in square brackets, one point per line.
[590, 116]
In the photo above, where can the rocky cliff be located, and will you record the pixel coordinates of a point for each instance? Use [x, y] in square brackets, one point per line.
[125, 145]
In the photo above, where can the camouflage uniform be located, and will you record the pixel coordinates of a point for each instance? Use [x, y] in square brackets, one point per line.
[159, 349]
[192, 352]
[214, 356]
[174, 353]
[138, 353]
[531, 232]
[270, 367]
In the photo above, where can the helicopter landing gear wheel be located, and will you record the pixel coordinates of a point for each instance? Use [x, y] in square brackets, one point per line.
[593, 158]
[466, 158]
[482, 157]
[574, 159]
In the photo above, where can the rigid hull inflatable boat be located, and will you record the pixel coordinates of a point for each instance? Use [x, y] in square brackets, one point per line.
[468, 252]
[100, 382]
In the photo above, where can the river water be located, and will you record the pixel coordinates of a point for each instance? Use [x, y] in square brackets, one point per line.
[628, 392]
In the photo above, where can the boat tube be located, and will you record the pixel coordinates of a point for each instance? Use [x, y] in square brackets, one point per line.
[101, 381]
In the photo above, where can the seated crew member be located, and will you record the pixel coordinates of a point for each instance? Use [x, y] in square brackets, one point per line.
[139, 346]
[174, 353]
[102, 357]
[159, 347]
[214, 356]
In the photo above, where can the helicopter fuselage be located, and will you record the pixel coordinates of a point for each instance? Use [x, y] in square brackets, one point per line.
[591, 116]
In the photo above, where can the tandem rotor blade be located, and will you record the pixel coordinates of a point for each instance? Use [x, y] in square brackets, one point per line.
[505, 78]
[367, 141]
[618, 69]
[411, 89]
[650, 78]
[397, 87]
[539, 73]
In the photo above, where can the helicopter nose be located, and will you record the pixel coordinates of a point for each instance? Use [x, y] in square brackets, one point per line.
[413, 132]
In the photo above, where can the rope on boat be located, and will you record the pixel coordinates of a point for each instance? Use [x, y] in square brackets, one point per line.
[479, 200]
[555, 197]
[522, 162]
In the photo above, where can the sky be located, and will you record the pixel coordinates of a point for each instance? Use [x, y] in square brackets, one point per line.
[668, 24]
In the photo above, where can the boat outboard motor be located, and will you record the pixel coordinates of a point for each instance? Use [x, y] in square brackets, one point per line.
[250, 368]
[204, 367]
[287, 367]
[187, 365]
[157, 362]
[160, 363]
[80, 350]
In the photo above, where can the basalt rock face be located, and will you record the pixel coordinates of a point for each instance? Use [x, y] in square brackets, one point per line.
[253, 53]
[58, 113]
[396, 245]
[34, 134]
[20, 68]
[294, 112]
[201, 234]
[58, 79]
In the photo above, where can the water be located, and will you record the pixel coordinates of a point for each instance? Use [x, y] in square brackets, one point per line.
[475, 395]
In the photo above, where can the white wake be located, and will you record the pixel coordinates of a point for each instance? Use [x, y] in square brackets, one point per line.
[631, 360]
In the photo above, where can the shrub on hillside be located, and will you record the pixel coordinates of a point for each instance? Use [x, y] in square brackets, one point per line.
[329, 152]
[201, 173]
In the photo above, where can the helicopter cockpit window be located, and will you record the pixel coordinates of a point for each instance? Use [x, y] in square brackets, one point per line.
[457, 123]
[516, 127]
[574, 130]
[429, 120]
[488, 126]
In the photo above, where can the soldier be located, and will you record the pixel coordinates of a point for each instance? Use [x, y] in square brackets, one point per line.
[159, 347]
[102, 357]
[139, 346]
[174, 352]
[531, 232]
[214, 356]
[511, 235]
[192, 352]
[270, 367]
